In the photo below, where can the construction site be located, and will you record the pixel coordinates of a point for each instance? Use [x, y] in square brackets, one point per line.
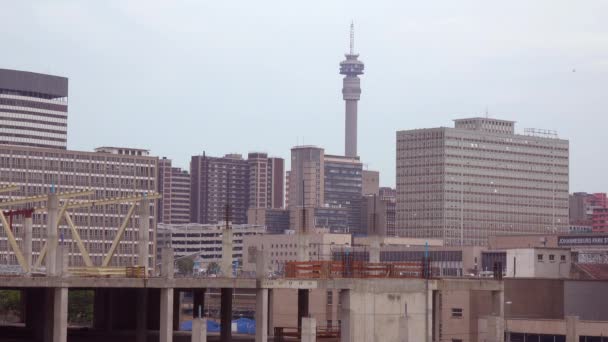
[140, 298]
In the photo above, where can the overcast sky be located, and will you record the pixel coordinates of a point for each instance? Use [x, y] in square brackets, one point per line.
[183, 77]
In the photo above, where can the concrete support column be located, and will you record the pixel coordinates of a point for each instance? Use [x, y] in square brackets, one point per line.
[227, 247]
[429, 314]
[309, 329]
[60, 314]
[142, 315]
[199, 330]
[144, 234]
[571, 333]
[498, 303]
[51, 234]
[167, 267]
[344, 315]
[226, 315]
[374, 249]
[27, 243]
[261, 298]
[303, 246]
[303, 302]
[61, 265]
[261, 315]
[495, 329]
[166, 315]
[403, 329]
[177, 305]
[198, 303]
[270, 312]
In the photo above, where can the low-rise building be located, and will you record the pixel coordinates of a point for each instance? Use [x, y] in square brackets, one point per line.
[284, 247]
[204, 240]
[538, 263]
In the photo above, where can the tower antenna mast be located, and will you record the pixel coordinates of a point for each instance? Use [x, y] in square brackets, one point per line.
[352, 38]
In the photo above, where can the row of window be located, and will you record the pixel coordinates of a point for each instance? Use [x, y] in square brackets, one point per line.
[540, 257]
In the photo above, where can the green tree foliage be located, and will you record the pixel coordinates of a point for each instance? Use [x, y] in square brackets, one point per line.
[80, 307]
[10, 300]
[185, 265]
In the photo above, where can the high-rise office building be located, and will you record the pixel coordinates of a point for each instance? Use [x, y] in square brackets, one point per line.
[351, 68]
[343, 187]
[276, 170]
[266, 176]
[378, 212]
[326, 181]
[389, 197]
[110, 172]
[306, 177]
[215, 183]
[371, 182]
[33, 109]
[174, 185]
[479, 179]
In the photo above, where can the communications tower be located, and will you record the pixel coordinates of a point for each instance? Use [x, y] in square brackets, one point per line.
[351, 68]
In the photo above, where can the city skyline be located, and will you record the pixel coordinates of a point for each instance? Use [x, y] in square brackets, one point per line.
[552, 85]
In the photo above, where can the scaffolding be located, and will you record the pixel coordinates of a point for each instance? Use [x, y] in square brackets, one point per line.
[56, 207]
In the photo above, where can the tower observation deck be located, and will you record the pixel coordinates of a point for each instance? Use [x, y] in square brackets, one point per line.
[351, 68]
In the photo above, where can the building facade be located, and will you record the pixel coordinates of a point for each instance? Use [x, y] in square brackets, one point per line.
[371, 182]
[276, 221]
[389, 197]
[589, 210]
[174, 185]
[266, 189]
[109, 174]
[343, 187]
[307, 177]
[33, 109]
[204, 240]
[256, 182]
[215, 183]
[479, 179]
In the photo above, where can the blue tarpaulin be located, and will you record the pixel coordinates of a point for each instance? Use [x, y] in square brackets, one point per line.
[243, 326]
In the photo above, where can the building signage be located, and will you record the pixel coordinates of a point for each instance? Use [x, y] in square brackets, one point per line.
[582, 240]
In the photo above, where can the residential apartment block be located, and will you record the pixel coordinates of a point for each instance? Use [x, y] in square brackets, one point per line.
[174, 185]
[231, 180]
[479, 179]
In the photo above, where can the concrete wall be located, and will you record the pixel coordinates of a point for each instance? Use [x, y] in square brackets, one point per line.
[285, 307]
[524, 263]
[383, 316]
[534, 298]
[586, 299]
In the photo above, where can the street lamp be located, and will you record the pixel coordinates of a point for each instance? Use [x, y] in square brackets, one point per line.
[507, 333]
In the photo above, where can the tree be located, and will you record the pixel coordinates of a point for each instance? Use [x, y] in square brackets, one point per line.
[10, 300]
[80, 306]
[185, 265]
